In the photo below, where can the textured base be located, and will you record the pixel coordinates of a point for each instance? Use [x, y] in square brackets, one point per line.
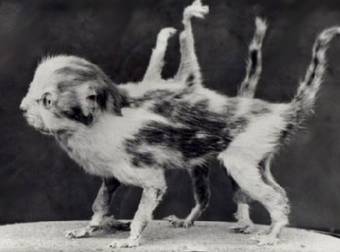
[159, 236]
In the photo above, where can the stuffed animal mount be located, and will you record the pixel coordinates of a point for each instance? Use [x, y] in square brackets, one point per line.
[159, 236]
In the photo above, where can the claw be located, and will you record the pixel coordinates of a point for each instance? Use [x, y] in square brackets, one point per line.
[265, 240]
[177, 222]
[124, 243]
[108, 224]
[243, 228]
[196, 10]
[80, 232]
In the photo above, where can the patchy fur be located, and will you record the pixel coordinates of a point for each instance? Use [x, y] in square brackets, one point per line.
[97, 124]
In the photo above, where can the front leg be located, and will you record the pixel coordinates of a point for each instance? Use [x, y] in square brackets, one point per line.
[101, 209]
[200, 182]
[150, 199]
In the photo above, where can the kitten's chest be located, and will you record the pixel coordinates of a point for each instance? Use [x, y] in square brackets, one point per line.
[96, 156]
[111, 160]
[101, 149]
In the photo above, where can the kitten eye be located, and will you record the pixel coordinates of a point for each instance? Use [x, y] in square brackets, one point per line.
[46, 100]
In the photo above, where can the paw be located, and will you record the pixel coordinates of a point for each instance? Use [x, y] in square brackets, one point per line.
[79, 233]
[261, 25]
[166, 33]
[243, 228]
[196, 10]
[177, 222]
[265, 240]
[124, 243]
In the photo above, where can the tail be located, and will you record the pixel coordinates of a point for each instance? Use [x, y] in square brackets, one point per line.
[254, 65]
[304, 100]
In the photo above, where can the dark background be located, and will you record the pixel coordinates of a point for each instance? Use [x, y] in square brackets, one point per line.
[38, 181]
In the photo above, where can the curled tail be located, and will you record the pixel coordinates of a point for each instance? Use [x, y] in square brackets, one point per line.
[304, 99]
[254, 65]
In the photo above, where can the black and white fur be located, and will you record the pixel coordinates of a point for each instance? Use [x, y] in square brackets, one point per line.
[247, 89]
[134, 135]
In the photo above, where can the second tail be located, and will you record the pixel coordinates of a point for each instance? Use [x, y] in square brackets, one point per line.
[304, 100]
[254, 65]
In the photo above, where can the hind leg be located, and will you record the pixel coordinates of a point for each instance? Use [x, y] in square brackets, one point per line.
[244, 224]
[269, 179]
[201, 189]
[243, 167]
[154, 69]
[189, 66]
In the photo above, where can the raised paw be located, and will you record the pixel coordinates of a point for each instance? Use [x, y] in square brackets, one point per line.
[124, 243]
[177, 222]
[243, 228]
[261, 24]
[166, 33]
[79, 233]
[196, 10]
[265, 240]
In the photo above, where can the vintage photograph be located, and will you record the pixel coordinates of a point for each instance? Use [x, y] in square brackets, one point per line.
[169, 125]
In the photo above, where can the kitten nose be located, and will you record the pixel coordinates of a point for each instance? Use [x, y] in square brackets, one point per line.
[23, 106]
[23, 109]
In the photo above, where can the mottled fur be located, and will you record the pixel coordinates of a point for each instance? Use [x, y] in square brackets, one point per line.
[189, 67]
[247, 89]
[137, 144]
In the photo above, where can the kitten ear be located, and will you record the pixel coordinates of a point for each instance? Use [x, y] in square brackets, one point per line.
[92, 98]
[72, 103]
[111, 98]
[90, 92]
[108, 95]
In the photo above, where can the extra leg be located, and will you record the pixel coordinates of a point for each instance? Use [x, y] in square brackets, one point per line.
[101, 218]
[200, 182]
[189, 65]
[254, 65]
[244, 223]
[154, 69]
[151, 197]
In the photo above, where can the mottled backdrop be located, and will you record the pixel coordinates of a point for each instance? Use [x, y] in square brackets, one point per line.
[38, 181]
